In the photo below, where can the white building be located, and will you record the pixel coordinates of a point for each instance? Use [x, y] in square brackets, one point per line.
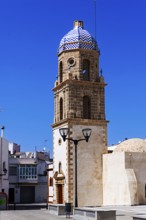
[124, 174]
[23, 175]
[28, 182]
[4, 182]
[50, 182]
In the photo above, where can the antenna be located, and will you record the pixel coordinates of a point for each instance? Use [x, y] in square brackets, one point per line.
[95, 16]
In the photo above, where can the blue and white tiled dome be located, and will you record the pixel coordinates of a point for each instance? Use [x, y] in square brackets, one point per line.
[77, 38]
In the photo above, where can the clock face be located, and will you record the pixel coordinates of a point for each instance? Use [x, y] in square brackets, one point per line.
[71, 61]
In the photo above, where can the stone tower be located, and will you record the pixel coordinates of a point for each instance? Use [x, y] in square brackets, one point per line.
[79, 103]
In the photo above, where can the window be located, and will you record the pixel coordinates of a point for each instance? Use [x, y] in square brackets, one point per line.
[28, 172]
[59, 141]
[86, 70]
[60, 167]
[86, 107]
[12, 170]
[61, 108]
[71, 62]
[51, 181]
[61, 72]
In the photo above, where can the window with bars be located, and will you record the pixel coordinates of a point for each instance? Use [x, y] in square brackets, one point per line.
[28, 172]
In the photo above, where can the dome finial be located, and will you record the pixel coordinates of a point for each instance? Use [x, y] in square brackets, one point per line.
[78, 24]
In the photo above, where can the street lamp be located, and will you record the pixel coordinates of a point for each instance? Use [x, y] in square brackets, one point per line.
[4, 169]
[86, 133]
[4, 172]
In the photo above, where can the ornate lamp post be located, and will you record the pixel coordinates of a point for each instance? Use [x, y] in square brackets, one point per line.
[86, 133]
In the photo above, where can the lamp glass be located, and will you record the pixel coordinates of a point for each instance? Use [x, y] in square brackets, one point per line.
[5, 171]
[64, 132]
[87, 133]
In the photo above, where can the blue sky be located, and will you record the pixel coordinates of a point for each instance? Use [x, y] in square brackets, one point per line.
[30, 32]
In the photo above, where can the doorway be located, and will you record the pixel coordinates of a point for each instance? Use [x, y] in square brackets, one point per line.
[11, 195]
[60, 194]
[27, 194]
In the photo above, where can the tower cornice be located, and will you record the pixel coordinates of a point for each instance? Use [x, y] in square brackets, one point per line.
[78, 82]
[80, 121]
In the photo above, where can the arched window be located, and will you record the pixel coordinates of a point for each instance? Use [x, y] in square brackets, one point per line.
[86, 70]
[61, 72]
[60, 167]
[51, 181]
[86, 107]
[61, 108]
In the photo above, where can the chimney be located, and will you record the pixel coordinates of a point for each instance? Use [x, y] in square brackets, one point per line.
[78, 24]
[2, 131]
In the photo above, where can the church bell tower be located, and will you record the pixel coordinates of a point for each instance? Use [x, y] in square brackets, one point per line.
[79, 103]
